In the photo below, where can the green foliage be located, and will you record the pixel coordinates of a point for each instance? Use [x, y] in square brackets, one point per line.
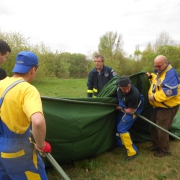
[65, 65]
[17, 43]
[110, 44]
[79, 65]
[137, 53]
[147, 60]
[162, 40]
[60, 65]
[173, 55]
[110, 47]
[132, 67]
[161, 176]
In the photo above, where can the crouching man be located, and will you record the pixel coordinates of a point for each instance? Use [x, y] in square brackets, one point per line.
[130, 103]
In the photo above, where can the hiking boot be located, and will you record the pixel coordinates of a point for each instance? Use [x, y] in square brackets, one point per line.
[161, 154]
[153, 148]
[129, 158]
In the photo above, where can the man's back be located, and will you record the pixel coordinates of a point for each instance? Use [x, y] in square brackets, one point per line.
[21, 111]
[18, 104]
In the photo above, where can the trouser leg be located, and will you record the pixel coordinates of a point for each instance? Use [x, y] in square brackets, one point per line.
[154, 132]
[124, 124]
[165, 120]
[3, 173]
[14, 153]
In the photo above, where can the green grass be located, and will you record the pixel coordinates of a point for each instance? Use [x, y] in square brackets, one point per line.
[111, 165]
[61, 88]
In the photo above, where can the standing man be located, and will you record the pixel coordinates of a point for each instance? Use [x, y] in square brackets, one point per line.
[164, 96]
[4, 51]
[99, 76]
[20, 108]
[130, 103]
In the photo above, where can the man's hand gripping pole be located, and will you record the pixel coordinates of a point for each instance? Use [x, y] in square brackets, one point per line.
[45, 152]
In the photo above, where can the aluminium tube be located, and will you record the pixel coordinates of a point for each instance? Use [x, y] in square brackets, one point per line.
[56, 166]
[171, 134]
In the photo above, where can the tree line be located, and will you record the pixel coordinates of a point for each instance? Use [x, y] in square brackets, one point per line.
[66, 65]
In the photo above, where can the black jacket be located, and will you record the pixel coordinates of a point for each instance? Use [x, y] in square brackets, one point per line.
[96, 80]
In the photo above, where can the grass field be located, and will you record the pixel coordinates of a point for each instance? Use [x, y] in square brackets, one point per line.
[111, 165]
[62, 87]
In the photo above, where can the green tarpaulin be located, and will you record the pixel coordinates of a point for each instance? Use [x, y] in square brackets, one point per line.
[79, 128]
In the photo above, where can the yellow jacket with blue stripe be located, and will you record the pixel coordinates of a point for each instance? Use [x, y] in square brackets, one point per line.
[165, 87]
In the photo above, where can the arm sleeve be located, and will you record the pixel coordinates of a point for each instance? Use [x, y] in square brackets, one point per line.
[112, 74]
[168, 88]
[32, 102]
[90, 85]
[133, 103]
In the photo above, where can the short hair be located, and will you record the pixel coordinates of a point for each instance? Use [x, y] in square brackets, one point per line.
[123, 81]
[4, 47]
[99, 56]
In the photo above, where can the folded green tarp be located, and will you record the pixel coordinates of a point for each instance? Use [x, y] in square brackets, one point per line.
[80, 128]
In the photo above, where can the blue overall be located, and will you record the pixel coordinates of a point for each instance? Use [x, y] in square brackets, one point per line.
[19, 160]
[124, 123]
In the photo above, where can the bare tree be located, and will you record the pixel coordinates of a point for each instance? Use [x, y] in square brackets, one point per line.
[162, 40]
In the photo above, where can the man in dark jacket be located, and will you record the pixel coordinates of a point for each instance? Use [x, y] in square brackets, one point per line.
[99, 76]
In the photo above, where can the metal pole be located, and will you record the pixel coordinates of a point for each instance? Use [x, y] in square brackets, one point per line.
[53, 162]
[56, 166]
[80, 102]
[171, 134]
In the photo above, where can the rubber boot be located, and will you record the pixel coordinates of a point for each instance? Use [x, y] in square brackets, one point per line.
[131, 148]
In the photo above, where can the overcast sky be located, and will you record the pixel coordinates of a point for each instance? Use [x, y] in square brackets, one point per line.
[76, 26]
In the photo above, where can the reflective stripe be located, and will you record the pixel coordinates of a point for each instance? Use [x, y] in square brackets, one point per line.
[13, 155]
[170, 87]
[31, 175]
[95, 90]
[89, 91]
[134, 116]
[123, 118]
[34, 154]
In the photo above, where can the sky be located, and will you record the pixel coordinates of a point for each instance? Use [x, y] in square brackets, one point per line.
[76, 26]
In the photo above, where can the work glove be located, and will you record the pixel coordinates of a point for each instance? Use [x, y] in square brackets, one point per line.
[46, 148]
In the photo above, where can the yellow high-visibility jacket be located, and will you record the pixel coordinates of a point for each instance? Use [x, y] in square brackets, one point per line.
[165, 88]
